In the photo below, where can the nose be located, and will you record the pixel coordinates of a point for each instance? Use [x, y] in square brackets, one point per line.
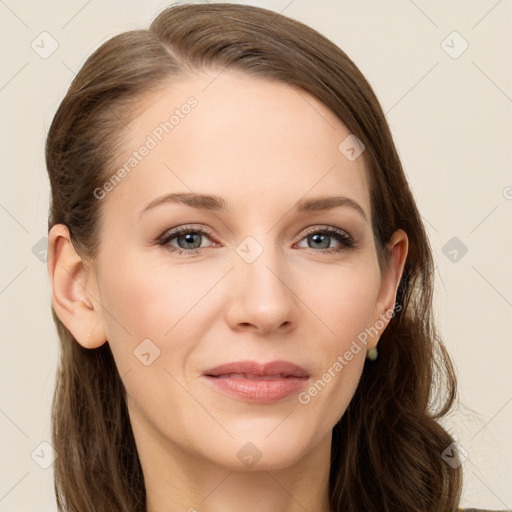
[261, 296]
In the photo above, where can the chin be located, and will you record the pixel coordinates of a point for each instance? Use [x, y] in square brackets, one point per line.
[262, 453]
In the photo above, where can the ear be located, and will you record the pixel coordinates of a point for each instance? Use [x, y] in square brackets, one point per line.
[396, 255]
[72, 282]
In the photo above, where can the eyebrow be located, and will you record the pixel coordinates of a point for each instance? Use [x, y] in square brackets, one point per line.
[216, 203]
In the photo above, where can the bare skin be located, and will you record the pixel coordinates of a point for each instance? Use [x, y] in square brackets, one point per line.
[262, 146]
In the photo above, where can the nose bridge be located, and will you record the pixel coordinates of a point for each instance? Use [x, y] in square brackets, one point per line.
[263, 293]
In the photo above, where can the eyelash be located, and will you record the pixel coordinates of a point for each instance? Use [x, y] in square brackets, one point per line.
[345, 239]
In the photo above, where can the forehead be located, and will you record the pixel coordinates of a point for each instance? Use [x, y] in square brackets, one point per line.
[239, 136]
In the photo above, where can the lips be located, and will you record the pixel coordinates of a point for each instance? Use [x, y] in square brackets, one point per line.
[253, 370]
[254, 382]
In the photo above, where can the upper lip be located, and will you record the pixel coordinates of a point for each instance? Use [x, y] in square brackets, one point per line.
[272, 368]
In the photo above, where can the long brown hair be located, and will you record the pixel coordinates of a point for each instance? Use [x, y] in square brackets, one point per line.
[387, 447]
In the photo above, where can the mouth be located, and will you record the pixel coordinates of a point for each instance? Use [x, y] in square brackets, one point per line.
[257, 383]
[261, 371]
[251, 376]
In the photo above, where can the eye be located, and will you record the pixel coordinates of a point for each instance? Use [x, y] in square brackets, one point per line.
[187, 239]
[321, 239]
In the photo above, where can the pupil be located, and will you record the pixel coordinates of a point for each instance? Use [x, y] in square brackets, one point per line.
[315, 240]
[189, 240]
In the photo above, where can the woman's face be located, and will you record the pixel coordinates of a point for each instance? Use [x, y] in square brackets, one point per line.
[262, 273]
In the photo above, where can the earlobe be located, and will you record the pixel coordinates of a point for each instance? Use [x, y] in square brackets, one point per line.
[71, 298]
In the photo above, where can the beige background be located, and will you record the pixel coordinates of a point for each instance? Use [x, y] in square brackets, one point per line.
[451, 118]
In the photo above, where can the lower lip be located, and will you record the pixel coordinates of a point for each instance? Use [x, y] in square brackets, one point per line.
[258, 391]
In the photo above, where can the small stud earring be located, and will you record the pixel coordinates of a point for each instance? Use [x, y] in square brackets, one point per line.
[372, 354]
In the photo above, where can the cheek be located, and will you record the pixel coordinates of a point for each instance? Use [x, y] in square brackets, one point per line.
[344, 300]
[344, 303]
[159, 303]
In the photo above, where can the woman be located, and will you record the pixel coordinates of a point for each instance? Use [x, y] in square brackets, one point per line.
[213, 356]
